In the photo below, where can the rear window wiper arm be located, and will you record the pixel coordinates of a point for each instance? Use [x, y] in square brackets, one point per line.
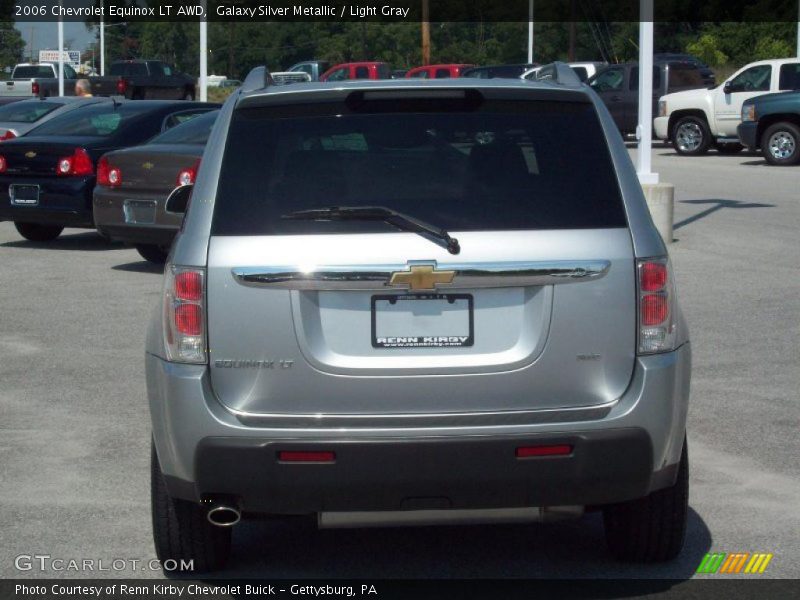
[437, 235]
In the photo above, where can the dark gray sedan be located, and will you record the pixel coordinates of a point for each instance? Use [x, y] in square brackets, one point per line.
[133, 185]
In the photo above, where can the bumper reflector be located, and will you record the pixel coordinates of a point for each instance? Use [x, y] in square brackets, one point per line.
[532, 451]
[306, 456]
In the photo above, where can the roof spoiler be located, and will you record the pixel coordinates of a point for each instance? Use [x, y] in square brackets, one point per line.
[558, 72]
[257, 79]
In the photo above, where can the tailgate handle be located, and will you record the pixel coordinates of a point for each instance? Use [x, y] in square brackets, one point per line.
[459, 275]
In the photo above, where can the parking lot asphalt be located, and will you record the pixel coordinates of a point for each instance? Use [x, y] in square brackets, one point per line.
[75, 426]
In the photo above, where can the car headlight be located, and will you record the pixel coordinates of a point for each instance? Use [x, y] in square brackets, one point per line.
[662, 108]
[749, 112]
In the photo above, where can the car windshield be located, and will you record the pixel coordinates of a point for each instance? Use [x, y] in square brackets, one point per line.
[502, 165]
[98, 120]
[27, 112]
[194, 131]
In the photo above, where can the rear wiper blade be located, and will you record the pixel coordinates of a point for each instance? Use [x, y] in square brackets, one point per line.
[437, 235]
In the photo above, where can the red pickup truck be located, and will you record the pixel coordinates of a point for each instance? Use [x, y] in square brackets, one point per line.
[358, 70]
[437, 71]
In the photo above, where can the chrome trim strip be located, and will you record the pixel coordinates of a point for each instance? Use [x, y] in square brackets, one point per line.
[467, 275]
[455, 419]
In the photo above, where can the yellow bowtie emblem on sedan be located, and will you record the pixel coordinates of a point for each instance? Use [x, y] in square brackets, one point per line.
[30, 154]
[147, 165]
[421, 277]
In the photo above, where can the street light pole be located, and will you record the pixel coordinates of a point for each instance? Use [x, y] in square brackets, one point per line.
[60, 52]
[530, 31]
[644, 130]
[203, 56]
[102, 41]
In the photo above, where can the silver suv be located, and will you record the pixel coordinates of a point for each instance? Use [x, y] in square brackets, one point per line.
[407, 302]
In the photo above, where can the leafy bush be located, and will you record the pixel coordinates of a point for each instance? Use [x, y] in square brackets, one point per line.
[706, 48]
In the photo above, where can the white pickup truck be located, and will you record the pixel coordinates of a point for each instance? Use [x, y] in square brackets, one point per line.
[696, 120]
[40, 80]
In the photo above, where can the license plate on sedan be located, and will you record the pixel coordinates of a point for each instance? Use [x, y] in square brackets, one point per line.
[422, 321]
[140, 212]
[23, 194]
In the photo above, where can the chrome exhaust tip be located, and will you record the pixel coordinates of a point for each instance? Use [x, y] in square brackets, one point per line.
[224, 516]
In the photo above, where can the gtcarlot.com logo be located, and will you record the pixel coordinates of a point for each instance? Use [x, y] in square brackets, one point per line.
[734, 562]
[45, 562]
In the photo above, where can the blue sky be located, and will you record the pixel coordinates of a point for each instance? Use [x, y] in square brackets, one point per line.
[45, 36]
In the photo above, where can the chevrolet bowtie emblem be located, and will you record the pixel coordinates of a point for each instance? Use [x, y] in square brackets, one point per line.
[147, 165]
[30, 154]
[421, 277]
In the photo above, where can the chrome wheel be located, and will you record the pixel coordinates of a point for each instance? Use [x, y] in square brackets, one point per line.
[688, 137]
[782, 145]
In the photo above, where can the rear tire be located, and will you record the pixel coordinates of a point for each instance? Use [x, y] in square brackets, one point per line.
[188, 95]
[780, 144]
[181, 531]
[653, 528]
[153, 253]
[38, 233]
[691, 137]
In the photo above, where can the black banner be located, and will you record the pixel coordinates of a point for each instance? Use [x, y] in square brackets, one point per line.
[390, 11]
[511, 589]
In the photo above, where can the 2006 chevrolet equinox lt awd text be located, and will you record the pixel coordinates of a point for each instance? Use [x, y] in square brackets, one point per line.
[405, 302]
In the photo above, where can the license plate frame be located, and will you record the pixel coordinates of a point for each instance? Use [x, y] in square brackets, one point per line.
[444, 339]
[139, 212]
[13, 194]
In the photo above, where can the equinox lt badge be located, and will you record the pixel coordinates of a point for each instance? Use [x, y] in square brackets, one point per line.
[253, 364]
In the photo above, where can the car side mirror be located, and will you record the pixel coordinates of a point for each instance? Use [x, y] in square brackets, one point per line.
[729, 88]
[178, 200]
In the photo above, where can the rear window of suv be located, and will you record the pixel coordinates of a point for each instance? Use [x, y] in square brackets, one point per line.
[501, 165]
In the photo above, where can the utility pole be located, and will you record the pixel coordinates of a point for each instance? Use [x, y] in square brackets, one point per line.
[31, 45]
[426, 34]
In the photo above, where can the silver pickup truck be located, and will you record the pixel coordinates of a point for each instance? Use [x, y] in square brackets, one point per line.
[38, 80]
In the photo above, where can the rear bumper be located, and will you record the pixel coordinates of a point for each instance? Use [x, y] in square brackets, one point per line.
[140, 234]
[747, 134]
[460, 473]
[204, 450]
[63, 201]
[109, 216]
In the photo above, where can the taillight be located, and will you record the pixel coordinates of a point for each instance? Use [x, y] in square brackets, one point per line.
[3, 164]
[79, 163]
[108, 175]
[35, 88]
[8, 135]
[656, 302]
[188, 176]
[122, 86]
[184, 315]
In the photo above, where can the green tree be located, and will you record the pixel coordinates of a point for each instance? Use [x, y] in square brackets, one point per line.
[769, 47]
[706, 48]
[11, 45]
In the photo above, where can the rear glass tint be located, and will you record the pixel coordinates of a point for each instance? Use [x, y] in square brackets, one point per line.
[194, 131]
[99, 120]
[27, 112]
[789, 77]
[505, 165]
[34, 71]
